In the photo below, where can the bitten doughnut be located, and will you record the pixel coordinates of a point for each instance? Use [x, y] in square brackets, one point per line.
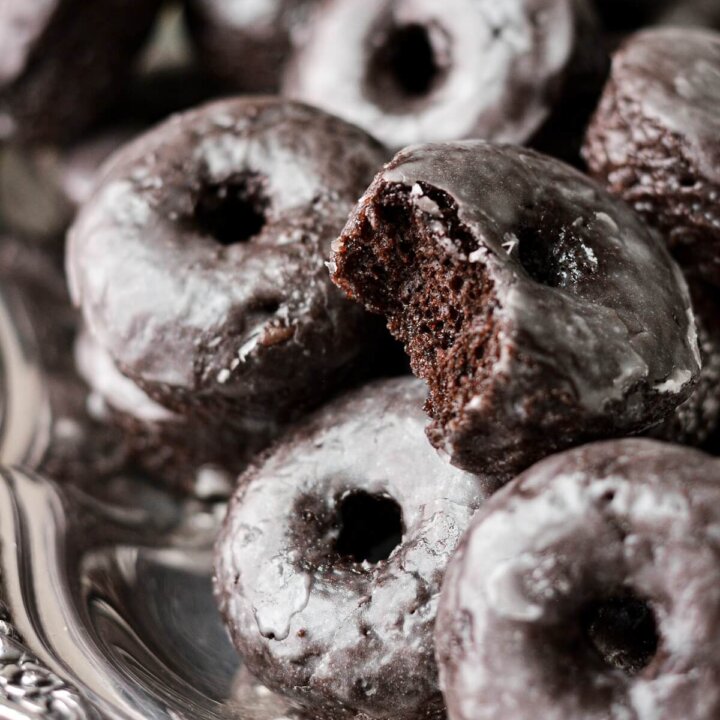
[331, 556]
[654, 139]
[62, 62]
[540, 310]
[246, 45]
[588, 588]
[414, 71]
[199, 261]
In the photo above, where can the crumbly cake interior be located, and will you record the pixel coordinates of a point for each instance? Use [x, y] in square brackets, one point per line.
[409, 261]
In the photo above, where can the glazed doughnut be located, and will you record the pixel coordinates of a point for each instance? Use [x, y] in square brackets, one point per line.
[539, 309]
[331, 556]
[588, 588]
[198, 458]
[245, 45]
[654, 139]
[414, 71]
[62, 62]
[199, 261]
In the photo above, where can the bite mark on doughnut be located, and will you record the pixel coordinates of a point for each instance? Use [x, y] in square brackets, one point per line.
[232, 211]
[414, 261]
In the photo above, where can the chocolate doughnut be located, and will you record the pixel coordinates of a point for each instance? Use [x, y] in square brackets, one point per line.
[44, 421]
[245, 45]
[416, 70]
[198, 458]
[331, 556]
[654, 139]
[587, 588]
[540, 310]
[199, 261]
[62, 62]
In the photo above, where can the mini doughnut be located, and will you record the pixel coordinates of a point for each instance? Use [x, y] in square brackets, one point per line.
[331, 556]
[654, 139]
[539, 309]
[246, 45]
[414, 71]
[62, 62]
[588, 588]
[193, 457]
[199, 261]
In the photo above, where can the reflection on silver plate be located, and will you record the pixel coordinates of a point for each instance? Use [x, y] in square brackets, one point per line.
[109, 610]
[24, 401]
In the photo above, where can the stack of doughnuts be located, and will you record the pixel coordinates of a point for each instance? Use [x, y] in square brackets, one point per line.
[430, 303]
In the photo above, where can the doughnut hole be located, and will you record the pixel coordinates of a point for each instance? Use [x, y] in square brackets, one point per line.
[357, 527]
[552, 252]
[407, 64]
[598, 642]
[233, 211]
[370, 527]
[622, 631]
[439, 305]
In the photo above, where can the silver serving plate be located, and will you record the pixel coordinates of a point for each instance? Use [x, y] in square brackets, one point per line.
[108, 609]
[24, 401]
